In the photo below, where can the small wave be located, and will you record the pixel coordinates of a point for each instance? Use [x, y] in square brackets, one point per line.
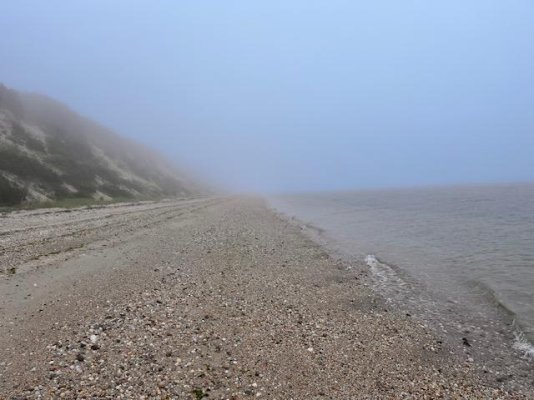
[491, 297]
[377, 268]
[371, 261]
[522, 345]
[312, 227]
[387, 279]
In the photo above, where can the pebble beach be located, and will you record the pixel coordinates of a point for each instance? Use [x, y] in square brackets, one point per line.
[216, 298]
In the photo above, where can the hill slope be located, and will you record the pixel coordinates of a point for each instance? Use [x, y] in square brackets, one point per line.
[48, 152]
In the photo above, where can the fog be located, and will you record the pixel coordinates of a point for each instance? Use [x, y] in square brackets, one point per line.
[294, 95]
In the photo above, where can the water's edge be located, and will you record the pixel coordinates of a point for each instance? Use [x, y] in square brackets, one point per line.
[497, 347]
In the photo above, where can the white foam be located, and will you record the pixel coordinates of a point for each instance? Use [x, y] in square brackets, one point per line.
[371, 260]
[522, 345]
[378, 269]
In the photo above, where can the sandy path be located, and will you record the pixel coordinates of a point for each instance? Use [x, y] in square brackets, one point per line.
[210, 298]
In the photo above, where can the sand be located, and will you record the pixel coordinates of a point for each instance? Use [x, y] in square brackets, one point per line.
[215, 298]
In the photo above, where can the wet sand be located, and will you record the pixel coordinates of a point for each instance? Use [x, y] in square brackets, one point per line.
[215, 298]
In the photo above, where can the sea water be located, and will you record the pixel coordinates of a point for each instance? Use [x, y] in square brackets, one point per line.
[469, 246]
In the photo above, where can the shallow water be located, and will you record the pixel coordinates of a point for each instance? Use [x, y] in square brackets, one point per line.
[470, 245]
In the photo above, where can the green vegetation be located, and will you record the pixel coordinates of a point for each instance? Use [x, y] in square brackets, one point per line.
[14, 161]
[9, 194]
[199, 394]
[70, 163]
[22, 137]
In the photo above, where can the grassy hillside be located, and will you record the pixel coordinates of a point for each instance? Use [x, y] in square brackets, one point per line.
[50, 153]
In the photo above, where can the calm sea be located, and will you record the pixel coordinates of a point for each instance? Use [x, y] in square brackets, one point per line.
[469, 246]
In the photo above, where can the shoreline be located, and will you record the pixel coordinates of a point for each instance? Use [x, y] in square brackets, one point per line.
[497, 352]
[224, 298]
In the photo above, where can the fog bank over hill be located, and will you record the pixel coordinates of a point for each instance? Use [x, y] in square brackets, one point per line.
[285, 96]
[48, 152]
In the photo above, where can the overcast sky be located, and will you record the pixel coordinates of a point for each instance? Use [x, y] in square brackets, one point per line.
[294, 95]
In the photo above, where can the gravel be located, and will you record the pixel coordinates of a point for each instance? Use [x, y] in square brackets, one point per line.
[218, 299]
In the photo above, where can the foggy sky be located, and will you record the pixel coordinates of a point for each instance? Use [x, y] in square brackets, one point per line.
[294, 95]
